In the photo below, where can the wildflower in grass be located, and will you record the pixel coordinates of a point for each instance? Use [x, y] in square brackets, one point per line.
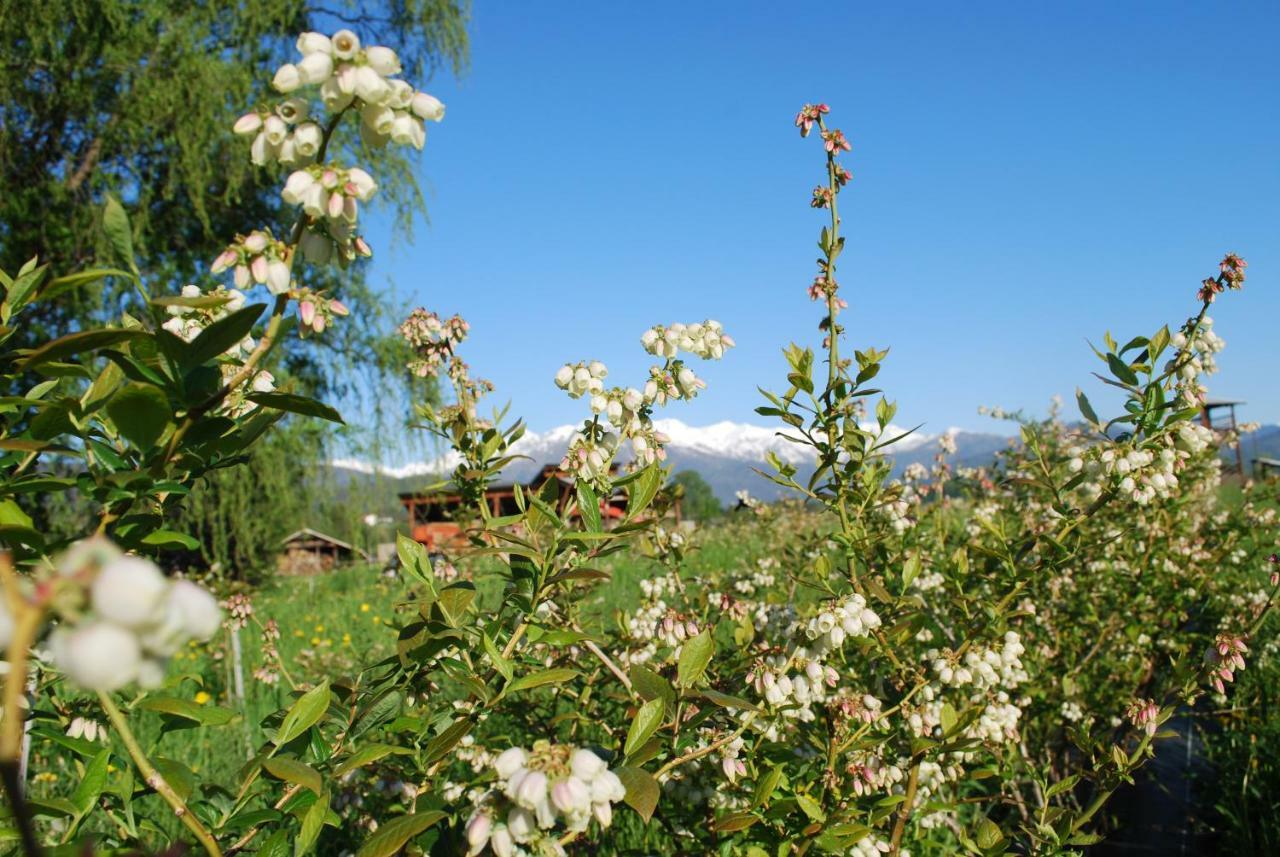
[202, 697]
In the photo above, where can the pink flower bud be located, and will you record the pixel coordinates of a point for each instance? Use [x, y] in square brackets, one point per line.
[249, 123]
[258, 268]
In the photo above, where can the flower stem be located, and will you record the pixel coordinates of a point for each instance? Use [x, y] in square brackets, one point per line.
[154, 779]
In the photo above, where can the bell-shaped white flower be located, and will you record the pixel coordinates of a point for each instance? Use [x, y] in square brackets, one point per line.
[311, 43]
[378, 117]
[331, 92]
[275, 129]
[370, 86]
[150, 673]
[363, 183]
[260, 151]
[297, 186]
[479, 826]
[401, 97]
[508, 762]
[293, 109]
[200, 611]
[404, 130]
[586, 765]
[315, 68]
[522, 823]
[345, 44]
[307, 138]
[129, 592]
[501, 842]
[287, 78]
[97, 655]
[383, 60]
[532, 790]
[427, 107]
[277, 277]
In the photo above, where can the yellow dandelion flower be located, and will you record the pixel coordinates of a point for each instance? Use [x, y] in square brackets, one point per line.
[364, 608]
[202, 698]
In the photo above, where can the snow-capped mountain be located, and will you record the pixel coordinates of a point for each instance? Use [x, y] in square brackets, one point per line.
[723, 453]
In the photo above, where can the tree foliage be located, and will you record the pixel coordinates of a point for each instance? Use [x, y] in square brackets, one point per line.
[698, 501]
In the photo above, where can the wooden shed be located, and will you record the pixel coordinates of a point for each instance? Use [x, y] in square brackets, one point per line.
[309, 551]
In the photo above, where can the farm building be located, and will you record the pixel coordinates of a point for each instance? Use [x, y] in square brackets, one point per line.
[433, 515]
[311, 552]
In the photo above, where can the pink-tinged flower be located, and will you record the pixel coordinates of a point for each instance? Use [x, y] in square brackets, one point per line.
[249, 123]
[306, 312]
[258, 267]
[225, 260]
[339, 308]
[808, 115]
[1143, 714]
[834, 141]
[821, 197]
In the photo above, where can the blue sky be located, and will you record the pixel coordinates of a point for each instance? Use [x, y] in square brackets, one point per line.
[1026, 176]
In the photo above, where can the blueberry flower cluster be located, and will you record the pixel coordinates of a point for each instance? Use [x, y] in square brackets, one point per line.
[432, 339]
[258, 257]
[537, 789]
[628, 410]
[124, 619]
[348, 76]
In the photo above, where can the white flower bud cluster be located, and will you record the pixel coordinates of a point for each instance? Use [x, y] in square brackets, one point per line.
[761, 578]
[549, 784]
[627, 409]
[1193, 359]
[983, 668]
[1141, 474]
[872, 774]
[795, 694]
[947, 444]
[136, 619]
[578, 379]
[331, 193]
[898, 514]
[705, 339]
[432, 339]
[847, 617]
[188, 322]
[590, 459]
[347, 75]
[256, 258]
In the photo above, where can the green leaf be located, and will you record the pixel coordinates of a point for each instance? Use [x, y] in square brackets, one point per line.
[538, 679]
[115, 223]
[811, 808]
[440, 745]
[312, 824]
[588, 506]
[368, 754]
[219, 337]
[204, 715]
[141, 413]
[766, 786]
[94, 781]
[642, 790]
[1121, 369]
[647, 720]
[177, 775]
[644, 489]
[297, 405]
[170, 539]
[989, 834]
[1086, 409]
[650, 685]
[11, 515]
[304, 713]
[395, 834]
[695, 654]
[501, 664]
[293, 771]
[947, 718]
[78, 343]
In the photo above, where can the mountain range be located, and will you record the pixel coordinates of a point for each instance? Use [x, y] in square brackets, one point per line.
[724, 453]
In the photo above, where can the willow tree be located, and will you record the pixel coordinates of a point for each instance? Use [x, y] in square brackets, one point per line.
[134, 98]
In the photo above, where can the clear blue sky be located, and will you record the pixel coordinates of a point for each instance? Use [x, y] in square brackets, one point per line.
[1025, 177]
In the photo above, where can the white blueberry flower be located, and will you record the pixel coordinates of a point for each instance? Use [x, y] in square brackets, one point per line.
[97, 655]
[129, 592]
[287, 78]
